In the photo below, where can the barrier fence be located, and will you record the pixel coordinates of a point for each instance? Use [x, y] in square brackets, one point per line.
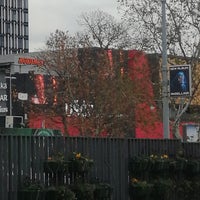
[22, 156]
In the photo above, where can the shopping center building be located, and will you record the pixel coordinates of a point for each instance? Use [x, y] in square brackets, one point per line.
[18, 75]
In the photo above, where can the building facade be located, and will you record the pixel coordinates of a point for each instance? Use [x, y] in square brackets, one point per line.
[14, 29]
[18, 75]
[25, 96]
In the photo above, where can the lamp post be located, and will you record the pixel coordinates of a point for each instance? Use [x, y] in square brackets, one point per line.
[165, 97]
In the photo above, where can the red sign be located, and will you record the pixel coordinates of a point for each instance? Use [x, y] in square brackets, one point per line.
[30, 61]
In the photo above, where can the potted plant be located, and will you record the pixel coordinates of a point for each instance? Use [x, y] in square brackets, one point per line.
[56, 164]
[79, 163]
[162, 189]
[181, 165]
[139, 189]
[193, 168]
[160, 163]
[184, 190]
[59, 193]
[138, 165]
[31, 189]
[102, 191]
[83, 191]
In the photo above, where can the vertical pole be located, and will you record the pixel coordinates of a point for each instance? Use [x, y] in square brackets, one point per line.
[165, 98]
[10, 92]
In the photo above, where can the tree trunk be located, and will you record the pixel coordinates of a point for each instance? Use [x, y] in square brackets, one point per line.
[175, 130]
[64, 120]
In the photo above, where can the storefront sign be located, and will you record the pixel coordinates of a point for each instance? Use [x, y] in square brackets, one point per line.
[3, 94]
[30, 61]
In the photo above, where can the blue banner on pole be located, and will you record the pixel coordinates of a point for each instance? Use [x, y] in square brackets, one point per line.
[180, 80]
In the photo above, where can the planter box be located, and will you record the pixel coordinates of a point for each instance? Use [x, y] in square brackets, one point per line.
[79, 167]
[102, 192]
[84, 191]
[59, 194]
[55, 166]
[31, 195]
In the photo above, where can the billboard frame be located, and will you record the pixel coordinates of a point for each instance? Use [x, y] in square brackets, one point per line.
[180, 83]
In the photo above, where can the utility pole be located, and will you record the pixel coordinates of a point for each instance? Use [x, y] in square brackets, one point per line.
[165, 97]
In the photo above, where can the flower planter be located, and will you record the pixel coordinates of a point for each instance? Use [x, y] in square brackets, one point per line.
[55, 166]
[79, 163]
[102, 191]
[181, 165]
[162, 189]
[193, 168]
[31, 195]
[79, 166]
[51, 194]
[57, 170]
[59, 193]
[84, 191]
[140, 191]
[139, 165]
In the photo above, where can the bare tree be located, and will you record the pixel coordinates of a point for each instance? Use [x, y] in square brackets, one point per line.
[102, 30]
[97, 92]
[61, 63]
[183, 39]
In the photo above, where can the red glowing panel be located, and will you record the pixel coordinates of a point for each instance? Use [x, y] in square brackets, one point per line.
[39, 98]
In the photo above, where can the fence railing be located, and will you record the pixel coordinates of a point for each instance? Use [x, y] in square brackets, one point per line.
[22, 156]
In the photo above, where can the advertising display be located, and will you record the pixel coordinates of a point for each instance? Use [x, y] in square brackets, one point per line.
[180, 80]
[191, 132]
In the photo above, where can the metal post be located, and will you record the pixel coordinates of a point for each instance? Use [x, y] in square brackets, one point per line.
[10, 93]
[165, 98]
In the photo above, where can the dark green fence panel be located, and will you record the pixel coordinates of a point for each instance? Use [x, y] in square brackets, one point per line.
[191, 150]
[147, 147]
[23, 156]
[4, 168]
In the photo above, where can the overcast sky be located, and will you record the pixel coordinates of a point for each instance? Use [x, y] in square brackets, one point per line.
[45, 16]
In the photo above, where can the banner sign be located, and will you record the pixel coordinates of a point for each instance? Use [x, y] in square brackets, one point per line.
[3, 94]
[180, 80]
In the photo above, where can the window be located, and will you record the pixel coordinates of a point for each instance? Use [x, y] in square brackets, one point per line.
[1, 41]
[26, 44]
[20, 43]
[13, 28]
[1, 26]
[14, 15]
[1, 2]
[7, 27]
[19, 3]
[25, 30]
[14, 3]
[25, 17]
[26, 4]
[14, 50]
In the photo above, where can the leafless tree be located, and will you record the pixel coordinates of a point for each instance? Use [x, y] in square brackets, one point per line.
[61, 63]
[95, 90]
[183, 39]
[103, 30]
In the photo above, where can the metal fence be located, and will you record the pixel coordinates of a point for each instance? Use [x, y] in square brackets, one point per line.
[22, 156]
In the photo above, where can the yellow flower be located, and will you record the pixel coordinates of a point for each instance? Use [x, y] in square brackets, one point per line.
[134, 180]
[164, 156]
[78, 155]
[49, 158]
[151, 156]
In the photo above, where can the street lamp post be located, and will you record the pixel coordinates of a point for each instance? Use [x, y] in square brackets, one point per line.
[165, 97]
